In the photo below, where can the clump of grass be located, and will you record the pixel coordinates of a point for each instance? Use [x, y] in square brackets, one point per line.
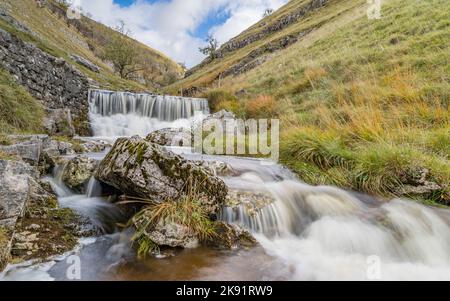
[186, 211]
[262, 106]
[220, 98]
[19, 111]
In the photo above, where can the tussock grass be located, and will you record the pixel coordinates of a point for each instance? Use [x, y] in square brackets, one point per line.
[186, 211]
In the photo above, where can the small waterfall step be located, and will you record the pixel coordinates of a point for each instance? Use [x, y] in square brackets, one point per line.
[161, 107]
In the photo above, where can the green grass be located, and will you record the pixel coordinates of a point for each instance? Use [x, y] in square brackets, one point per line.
[19, 111]
[363, 103]
[186, 211]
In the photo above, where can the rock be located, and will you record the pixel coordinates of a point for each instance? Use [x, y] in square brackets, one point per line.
[29, 151]
[94, 146]
[251, 201]
[171, 137]
[14, 194]
[172, 235]
[59, 122]
[78, 171]
[418, 183]
[231, 237]
[217, 168]
[225, 119]
[142, 169]
[86, 63]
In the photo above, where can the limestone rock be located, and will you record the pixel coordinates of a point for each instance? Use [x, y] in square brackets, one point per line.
[85, 62]
[59, 122]
[143, 169]
[171, 137]
[251, 201]
[231, 237]
[78, 171]
[173, 235]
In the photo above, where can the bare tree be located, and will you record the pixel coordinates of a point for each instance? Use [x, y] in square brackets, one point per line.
[211, 49]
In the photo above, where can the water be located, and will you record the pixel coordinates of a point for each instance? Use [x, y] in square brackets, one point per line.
[121, 114]
[306, 233]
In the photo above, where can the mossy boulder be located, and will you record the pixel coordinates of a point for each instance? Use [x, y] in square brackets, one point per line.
[78, 171]
[146, 170]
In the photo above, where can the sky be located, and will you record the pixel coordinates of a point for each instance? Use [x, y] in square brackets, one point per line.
[179, 27]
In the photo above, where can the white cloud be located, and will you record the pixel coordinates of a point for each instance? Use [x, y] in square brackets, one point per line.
[169, 26]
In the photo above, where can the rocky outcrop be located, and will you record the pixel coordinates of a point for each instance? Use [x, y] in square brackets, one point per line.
[78, 171]
[142, 169]
[49, 79]
[244, 40]
[85, 62]
[171, 137]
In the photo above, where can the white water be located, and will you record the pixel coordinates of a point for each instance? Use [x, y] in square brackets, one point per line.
[122, 114]
[313, 233]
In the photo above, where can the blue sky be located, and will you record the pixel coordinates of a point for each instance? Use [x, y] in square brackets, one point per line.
[179, 27]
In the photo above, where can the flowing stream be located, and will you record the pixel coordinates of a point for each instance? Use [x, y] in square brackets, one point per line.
[306, 233]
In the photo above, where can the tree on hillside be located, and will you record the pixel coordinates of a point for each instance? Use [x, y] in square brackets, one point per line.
[211, 49]
[121, 52]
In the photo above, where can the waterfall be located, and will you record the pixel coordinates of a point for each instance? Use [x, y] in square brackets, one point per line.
[114, 114]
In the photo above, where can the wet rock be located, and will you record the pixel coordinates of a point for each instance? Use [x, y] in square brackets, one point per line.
[78, 171]
[59, 122]
[231, 237]
[85, 62]
[217, 168]
[142, 169]
[250, 201]
[171, 137]
[172, 235]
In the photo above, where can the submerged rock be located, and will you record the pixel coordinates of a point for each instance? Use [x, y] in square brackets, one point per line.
[78, 171]
[142, 169]
[217, 168]
[251, 201]
[171, 137]
[231, 236]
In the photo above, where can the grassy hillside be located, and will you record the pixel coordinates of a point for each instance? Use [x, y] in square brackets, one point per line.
[19, 111]
[364, 104]
[54, 33]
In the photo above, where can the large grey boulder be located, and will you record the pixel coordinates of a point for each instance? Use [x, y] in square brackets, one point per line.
[142, 169]
[15, 178]
[78, 171]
